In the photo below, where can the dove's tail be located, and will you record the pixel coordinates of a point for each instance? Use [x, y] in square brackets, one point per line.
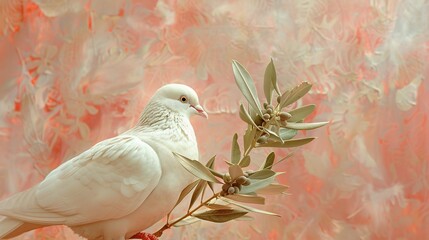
[8, 226]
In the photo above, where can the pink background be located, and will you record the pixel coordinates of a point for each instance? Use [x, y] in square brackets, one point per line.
[74, 72]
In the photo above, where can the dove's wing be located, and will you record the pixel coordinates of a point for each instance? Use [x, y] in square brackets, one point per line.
[108, 181]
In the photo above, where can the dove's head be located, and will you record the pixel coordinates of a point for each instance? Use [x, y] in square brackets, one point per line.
[180, 98]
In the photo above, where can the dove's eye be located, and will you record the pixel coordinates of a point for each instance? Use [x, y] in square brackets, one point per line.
[183, 99]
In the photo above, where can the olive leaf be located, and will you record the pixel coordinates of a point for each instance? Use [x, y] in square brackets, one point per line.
[305, 126]
[229, 163]
[258, 184]
[235, 171]
[295, 94]
[247, 198]
[196, 168]
[287, 134]
[246, 85]
[273, 188]
[186, 221]
[248, 136]
[270, 81]
[301, 112]
[262, 174]
[283, 97]
[197, 192]
[255, 117]
[235, 150]
[245, 162]
[185, 192]
[288, 143]
[204, 191]
[250, 209]
[245, 218]
[273, 135]
[245, 116]
[215, 206]
[215, 173]
[268, 164]
[220, 215]
[210, 165]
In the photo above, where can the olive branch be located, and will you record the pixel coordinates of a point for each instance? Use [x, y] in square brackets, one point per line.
[267, 126]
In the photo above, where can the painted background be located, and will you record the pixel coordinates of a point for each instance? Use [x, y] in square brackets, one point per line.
[74, 72]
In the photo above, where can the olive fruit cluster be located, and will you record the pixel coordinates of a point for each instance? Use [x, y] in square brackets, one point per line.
[269, 113]
[233, 186]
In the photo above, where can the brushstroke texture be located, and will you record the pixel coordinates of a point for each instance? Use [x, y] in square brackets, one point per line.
[74, 72]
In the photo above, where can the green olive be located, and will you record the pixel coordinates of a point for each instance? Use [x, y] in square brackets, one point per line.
[241, 179]
[246, 183]
[225, 187]
[265, 105]
[284, 116]
[266, 117]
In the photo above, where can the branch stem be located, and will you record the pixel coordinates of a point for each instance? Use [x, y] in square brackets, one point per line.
[255, 139]
[169, 225]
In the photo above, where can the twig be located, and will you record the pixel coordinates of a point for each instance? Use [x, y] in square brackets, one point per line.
[169, 225]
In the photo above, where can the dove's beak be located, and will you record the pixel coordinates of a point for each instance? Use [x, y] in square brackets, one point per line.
[200, 111]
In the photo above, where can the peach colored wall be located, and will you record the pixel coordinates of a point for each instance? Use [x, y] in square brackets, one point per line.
[74, 72]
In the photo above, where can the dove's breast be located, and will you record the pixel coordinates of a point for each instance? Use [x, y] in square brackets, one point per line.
[179, 139]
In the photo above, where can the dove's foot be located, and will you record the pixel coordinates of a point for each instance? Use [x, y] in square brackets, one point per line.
[144, 236]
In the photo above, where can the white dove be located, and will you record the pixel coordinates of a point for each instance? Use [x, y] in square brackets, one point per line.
[121, 185]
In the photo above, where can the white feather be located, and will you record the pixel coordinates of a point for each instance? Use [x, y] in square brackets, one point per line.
[121, 185]
[7, 225]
